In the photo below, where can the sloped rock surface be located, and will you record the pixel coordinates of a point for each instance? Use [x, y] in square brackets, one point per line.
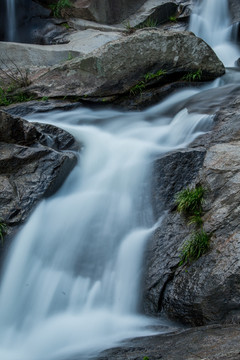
[35, 159]
[118, 66]
[206, 291]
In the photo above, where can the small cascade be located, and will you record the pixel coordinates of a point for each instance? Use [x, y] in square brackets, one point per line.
[11, 20]
[211, 21]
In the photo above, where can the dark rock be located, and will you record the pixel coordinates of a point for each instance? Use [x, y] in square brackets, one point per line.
[35, 159]
[206, 291]
[106, 11]
[234, 10]
[171, 174]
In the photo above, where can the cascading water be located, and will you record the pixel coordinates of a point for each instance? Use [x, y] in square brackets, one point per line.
[211, 22]
[71, 281]
[11, 20]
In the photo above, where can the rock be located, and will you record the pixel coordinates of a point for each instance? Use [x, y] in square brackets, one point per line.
[106, 12]
[234, 10]
[35, 159]
[206, 291]
[155, 10]
[119, 65]
[208, 342]
[172, 173]
[33, 24]
[40, 56]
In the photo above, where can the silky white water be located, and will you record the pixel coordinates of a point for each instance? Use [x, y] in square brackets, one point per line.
[72, 281]
[71, 284]
[11, 19]
[211, 21]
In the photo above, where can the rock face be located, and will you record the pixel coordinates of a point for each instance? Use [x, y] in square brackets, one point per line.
[35, 159]
[118, 66]
[208, 290]
[33, 24]
[234, 10]
[106, 11]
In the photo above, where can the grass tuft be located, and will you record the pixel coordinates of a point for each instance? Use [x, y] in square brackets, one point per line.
[196, 246]
[190, 200]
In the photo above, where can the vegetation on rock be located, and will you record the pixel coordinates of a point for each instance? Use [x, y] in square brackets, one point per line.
[189, 202]
[59, 6]
[196, 246]
[193, 76]
[140, 86]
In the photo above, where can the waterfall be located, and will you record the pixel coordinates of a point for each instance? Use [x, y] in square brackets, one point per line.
[71, 281]
[211, 21]
[11, 20]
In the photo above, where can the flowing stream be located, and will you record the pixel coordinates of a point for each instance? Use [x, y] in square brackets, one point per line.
[71, 283]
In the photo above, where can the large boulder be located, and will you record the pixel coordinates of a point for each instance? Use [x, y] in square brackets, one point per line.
[119, 65]
[35, 159]
[207, 290]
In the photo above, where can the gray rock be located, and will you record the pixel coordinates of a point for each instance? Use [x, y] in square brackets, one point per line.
[106, 11]
[207, 342]
[234, 10]
[206, 291]
[121, 64]
[35, 159]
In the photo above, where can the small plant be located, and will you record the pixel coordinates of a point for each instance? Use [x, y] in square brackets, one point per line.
[146, 358]
[57, 8]
[195, 247]
[190, 200]
[66, 25]
[151, 76]
[13, 73]
[70, 56]
[138, 88]
[150, 22]
[193, 76]
[172, 18]
[7, 97]
[3, 230]
[44, 98]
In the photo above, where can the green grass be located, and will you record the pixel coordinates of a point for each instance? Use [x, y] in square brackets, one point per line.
[3, 230]
[193, 76]
[7, 97]
[151, 76]
[57, 8]
[172, 18]
[196, 246]
[148, 23]
[190, 200]
[140, 86]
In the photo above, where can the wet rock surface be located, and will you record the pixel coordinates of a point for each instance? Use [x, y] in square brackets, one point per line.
[209, 342]
[207, 290]
[35, 159]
